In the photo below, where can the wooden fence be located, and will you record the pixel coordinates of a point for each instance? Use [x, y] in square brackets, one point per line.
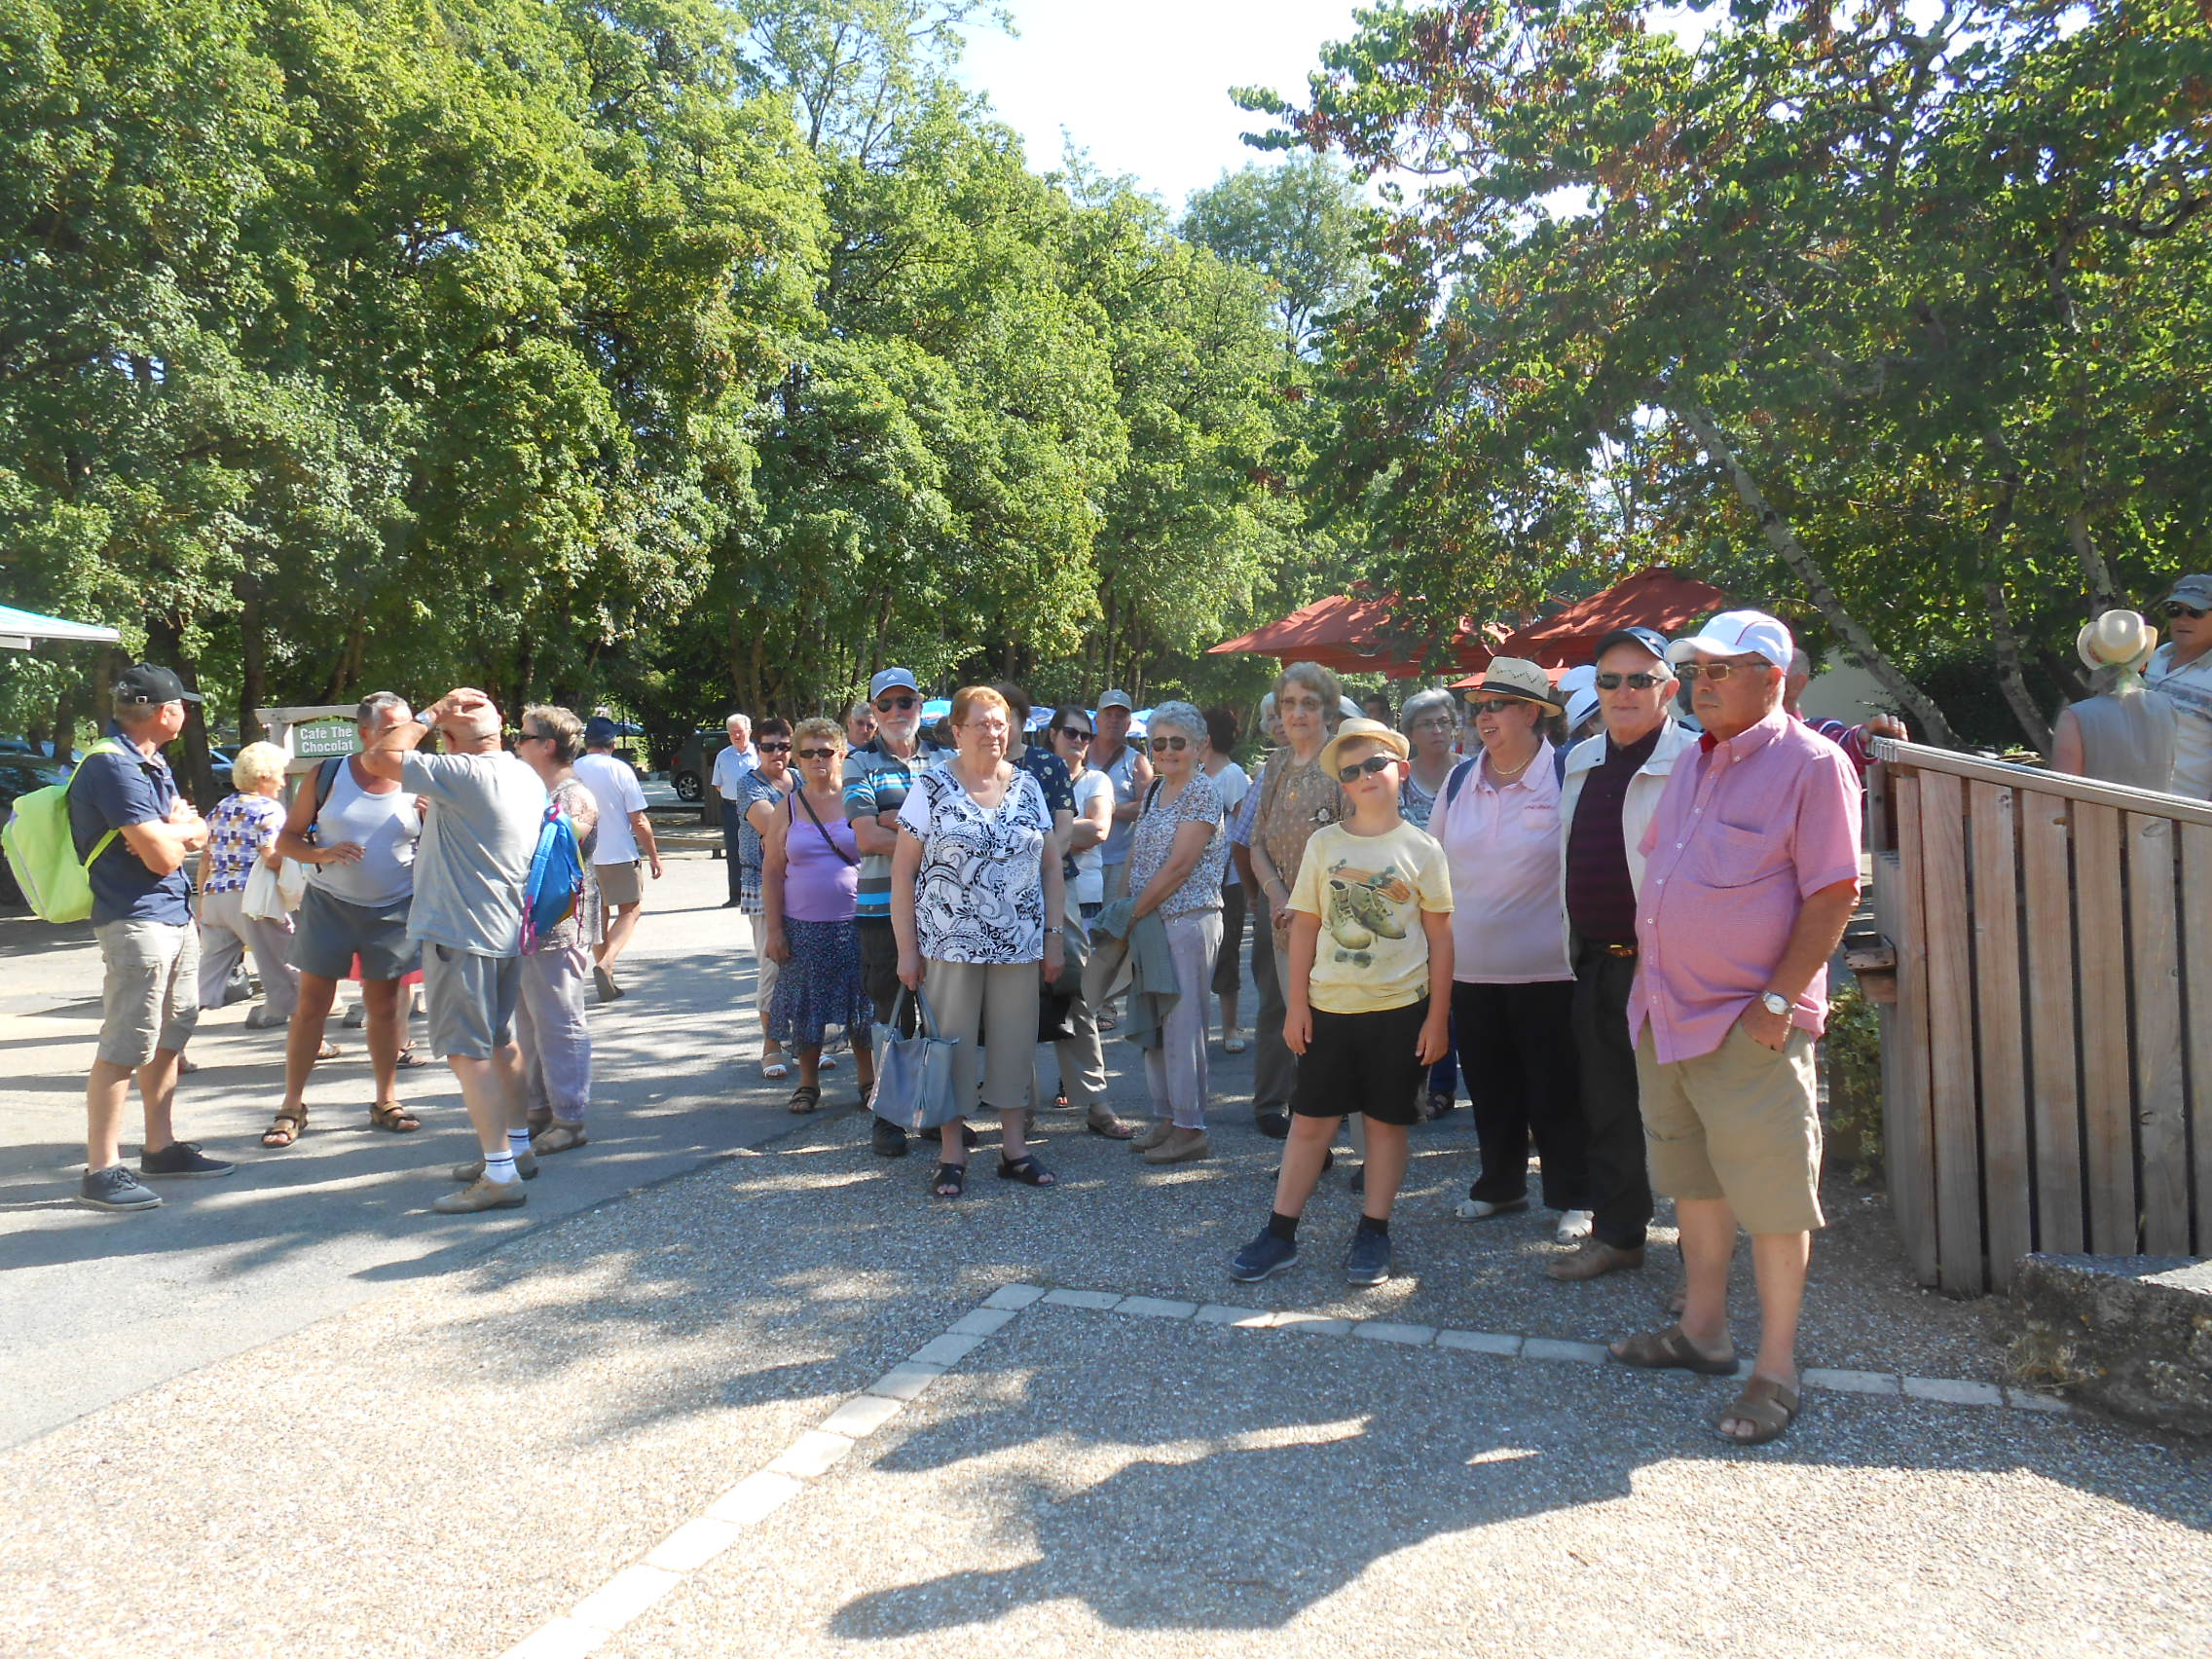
[2048, 1057]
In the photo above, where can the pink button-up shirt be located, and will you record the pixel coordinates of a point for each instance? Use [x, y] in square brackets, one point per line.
[1747, 830]
[1508, 923]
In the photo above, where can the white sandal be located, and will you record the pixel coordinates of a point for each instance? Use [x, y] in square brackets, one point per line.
[774, 1066]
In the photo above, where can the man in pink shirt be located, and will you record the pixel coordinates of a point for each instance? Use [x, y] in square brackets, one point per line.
[1751, 873]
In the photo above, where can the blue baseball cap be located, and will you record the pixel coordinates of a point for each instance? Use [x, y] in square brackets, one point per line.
[1643, 639]
[599, 732]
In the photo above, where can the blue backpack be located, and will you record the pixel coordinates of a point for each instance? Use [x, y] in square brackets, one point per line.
[556, 883]
[1463, 768]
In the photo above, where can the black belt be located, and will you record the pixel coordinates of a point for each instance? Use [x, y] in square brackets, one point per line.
[1627, 951]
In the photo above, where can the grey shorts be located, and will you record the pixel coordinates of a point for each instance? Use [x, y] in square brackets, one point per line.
[620, 883]
[472, 1001]
[150, 998]
[328, 933]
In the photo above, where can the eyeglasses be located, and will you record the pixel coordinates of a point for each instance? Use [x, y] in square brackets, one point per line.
[767, 747]
[1433, 722]
[2175, 608]
[884, 705]
[1374, 763]
[1719, 671]
[1633, 681]
[816, 754]
[986, 728]
[1075, 736]
[1499, 705]
[1173, 745]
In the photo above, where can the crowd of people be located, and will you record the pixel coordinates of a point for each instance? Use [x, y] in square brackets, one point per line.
[1617, 946]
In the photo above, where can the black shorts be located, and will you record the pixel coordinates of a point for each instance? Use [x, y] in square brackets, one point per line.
[1364, 1065]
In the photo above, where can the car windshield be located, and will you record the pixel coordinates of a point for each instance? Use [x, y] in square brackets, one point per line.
[20, 775]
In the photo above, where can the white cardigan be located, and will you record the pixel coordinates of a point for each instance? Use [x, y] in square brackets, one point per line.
[1641, 801]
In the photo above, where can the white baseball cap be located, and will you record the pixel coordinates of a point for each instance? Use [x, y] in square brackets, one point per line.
[1738, 633]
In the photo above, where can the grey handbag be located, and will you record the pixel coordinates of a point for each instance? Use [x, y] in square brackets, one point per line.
[913, 1075]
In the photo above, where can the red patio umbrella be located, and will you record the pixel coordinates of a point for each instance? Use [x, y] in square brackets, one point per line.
[1658, 598]
[1353, 634]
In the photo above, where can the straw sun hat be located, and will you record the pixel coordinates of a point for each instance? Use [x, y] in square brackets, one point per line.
[2118, 639]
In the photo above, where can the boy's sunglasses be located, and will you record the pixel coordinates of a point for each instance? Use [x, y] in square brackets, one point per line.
[1633, 681]
[1374, 763]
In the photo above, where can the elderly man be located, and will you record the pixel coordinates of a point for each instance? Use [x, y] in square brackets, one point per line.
[471, 869]
[730, 767]
[860, 726]
[1128, 772]
[1751, 873]
[876, 780]
[134, 833]
[355, 832]
[2181, 669]
[625, 833]
[1612, 786]
[1275, 1068]
[1855, 741]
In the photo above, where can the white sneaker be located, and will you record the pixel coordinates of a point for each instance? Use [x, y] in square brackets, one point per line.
[1573, 1226]
[1482, 1209]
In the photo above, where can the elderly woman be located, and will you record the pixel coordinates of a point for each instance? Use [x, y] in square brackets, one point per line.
[550, 1021]
[761, 795]
[977, 903]
[1430, 720]
[809, 885]
[1513, 986]
[1177, 852]
[241, 830]
[1295, 797]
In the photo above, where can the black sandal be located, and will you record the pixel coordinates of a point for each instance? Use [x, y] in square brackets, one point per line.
[804, 1099]
[1027, 1170]
[950, 1182]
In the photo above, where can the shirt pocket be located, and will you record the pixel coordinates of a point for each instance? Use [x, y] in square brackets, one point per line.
[1541, 819]
[1729, 856]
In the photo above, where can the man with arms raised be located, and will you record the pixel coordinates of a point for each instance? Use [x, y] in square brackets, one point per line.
[471, 869]
[1751, 872]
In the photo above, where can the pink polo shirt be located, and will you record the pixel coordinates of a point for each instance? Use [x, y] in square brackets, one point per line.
[1746, 831]
[1508, 921]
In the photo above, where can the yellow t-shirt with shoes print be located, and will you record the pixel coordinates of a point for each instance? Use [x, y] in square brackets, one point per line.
[1369, 892]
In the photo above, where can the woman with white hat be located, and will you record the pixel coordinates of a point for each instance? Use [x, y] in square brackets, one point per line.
[1513, 984]
[2124, 734]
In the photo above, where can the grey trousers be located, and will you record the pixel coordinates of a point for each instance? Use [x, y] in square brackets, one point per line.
[1176, 1071]
[226, 934]
[1275, 1068]
[1082, 1057]
[554, 1033]
[996, 1002]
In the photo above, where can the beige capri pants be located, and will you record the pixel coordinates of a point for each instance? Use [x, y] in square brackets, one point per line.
[994, 1004]
[1741, 1123]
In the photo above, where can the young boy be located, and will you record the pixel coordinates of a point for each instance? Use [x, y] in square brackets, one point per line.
[1370, 997]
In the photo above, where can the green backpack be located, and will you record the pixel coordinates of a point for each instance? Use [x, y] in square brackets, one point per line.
[43, 853]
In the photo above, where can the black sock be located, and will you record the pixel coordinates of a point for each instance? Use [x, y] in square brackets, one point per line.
[1283, 1227]
[1368, 1224]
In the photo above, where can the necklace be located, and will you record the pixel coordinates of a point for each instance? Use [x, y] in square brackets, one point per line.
[1505, 776]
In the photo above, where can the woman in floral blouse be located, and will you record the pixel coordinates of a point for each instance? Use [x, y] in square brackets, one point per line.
[1177, 852]
[241, 829]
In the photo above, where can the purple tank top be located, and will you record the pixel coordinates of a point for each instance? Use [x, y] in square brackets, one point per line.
[819, 885]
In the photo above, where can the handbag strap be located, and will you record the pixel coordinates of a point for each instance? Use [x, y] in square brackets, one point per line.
[926, 1023]
[801, 795]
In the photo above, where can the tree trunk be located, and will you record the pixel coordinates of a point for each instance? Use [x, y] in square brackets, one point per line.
[2008, 677]
[2096, 574]
[1701, 421]
[165, 645]
[253, 658]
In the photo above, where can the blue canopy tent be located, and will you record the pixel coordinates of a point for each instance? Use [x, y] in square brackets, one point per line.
[19, 630]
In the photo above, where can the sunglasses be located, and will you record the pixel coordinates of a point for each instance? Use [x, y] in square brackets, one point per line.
[1499, 705]
[1633, 681]
[535, 737]
[2175, 608]
[816, 754]
[1075, 736]
[767, 747]
[1719, 671]
[1368, 767]
[884, 705]
[1173, 745]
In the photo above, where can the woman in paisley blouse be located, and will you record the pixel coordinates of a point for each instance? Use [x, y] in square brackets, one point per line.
[1295, 798]
[975, 898]
[1177, 852]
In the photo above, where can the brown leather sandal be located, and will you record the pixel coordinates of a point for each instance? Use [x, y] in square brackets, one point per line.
[394, 1118]
[1671, 1351]
[288, 1127]
[1768, 1405]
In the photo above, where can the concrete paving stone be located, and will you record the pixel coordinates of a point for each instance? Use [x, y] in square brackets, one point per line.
[2030, 1400]
[755, 1498]
[983, 1322]
[1218, 1313]
[1480, 1341]
[1097, 1300]
[560, 1638]
[905, 1381]
[815, 1453]
[946, 1350]
[1580, 1354]
[694, 1544]
[1952, 1391]
[1014, 1296]
[861, 1416]
[1385, 1331]
[1312, 1324]
[1156, 1307]
[624, 1596]
[1849, 1381]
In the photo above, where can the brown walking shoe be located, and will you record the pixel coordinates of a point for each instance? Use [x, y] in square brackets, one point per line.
[525, 1166]
[483, 1196]
[1591, 1259]
[1152, 1134]
[1180, 1146]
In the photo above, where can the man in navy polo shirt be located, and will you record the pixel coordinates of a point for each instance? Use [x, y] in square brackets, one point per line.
[124, 803]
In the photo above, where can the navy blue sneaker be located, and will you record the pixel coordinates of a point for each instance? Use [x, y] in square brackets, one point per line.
[1368, 1261]
[1264, 1255]
[115, 1188]
[183, 1157]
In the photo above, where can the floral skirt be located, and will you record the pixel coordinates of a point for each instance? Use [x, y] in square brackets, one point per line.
[819, 986]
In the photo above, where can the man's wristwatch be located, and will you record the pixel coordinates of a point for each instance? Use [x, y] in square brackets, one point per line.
[1774, 1002]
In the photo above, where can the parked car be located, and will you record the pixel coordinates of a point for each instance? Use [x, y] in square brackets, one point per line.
[19, 774]
[695, 762]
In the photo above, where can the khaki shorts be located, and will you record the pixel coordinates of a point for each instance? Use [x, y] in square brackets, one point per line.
[471, 1000]
[620, 883]
[1741, 1123]
[150, 998]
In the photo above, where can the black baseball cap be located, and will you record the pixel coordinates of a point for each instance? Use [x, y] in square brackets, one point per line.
[1645, 639]
[143, 682]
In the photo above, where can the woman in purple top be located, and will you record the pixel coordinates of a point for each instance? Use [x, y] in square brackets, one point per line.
[809, 881]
